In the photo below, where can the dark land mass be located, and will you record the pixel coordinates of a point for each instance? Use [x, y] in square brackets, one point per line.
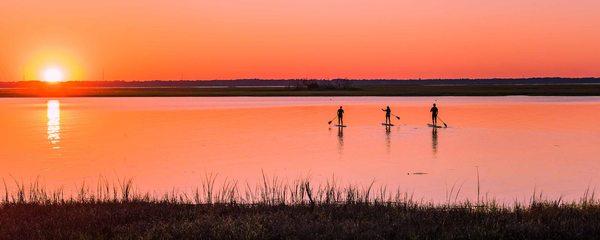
[299, 82]
[276, 209]
[296, 87]
[164, 220]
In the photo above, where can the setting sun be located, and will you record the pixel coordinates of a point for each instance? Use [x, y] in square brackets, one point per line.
[53, 74]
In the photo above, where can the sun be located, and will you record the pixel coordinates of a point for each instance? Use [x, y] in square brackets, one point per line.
[52, 75]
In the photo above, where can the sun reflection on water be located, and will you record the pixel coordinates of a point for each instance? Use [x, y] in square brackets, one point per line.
[54, 123]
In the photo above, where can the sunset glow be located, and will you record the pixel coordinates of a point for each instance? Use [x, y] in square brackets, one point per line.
[165, 40]
[309, 119]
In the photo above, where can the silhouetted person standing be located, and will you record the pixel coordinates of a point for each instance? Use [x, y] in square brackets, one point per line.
[388, 114]
[434, 113]
[340, 116]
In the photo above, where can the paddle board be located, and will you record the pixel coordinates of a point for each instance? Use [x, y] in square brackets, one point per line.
[387, 124]
[434, 126]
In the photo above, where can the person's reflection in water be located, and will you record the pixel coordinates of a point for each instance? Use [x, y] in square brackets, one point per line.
[388, 131]
[434, 140]
[340, 139]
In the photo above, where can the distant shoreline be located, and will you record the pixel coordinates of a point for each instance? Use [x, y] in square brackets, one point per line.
[59, 90]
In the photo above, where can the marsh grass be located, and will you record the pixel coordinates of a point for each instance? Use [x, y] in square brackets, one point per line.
[276, 208]
[270, 191]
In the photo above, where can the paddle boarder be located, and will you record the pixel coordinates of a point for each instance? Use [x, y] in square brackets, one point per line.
[340, 116]
[388, 114]
[434, 113]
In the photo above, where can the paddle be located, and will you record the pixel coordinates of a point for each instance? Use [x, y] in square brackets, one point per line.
[445, 125]
[331, 120]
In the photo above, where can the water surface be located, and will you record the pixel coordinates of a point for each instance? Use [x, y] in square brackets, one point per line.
[517, 144]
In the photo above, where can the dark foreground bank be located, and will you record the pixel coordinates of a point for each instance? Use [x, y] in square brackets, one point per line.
[282, 209]
[164, 220]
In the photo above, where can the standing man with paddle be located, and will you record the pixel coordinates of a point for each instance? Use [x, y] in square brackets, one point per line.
[434, 113]
[340, 116]
[388, 114]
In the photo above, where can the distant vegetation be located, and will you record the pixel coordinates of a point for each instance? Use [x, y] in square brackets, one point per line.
[336, 84]
[338, 87]
[299, 83]
[277, 209]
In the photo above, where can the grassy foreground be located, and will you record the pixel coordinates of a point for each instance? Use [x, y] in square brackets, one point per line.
[277, 210]
[165, 220]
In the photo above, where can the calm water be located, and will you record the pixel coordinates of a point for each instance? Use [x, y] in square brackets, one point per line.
[519, 144]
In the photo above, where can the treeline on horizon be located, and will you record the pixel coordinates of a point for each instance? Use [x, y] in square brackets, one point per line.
[308, 83]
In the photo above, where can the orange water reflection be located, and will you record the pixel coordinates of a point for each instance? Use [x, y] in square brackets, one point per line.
[519, 143]
[53, 114]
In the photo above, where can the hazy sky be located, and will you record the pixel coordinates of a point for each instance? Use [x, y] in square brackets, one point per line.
[142, 40]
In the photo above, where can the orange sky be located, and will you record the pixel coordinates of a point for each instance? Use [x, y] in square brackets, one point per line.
[224, 39]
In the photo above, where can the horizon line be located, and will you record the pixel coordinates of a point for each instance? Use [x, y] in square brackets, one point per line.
[317, 79]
